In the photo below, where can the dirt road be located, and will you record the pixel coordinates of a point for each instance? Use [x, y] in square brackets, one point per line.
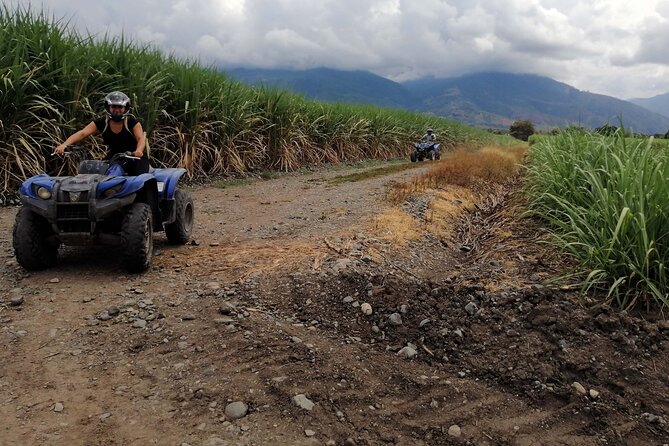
[309, 310]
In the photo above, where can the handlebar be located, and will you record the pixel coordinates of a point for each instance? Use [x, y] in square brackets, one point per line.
[70, 150]
[126, 155]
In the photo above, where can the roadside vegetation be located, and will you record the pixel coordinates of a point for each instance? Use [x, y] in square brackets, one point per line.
[463, 183]
[466, 168]
[606, 198]
[475, 169]
[53, 80]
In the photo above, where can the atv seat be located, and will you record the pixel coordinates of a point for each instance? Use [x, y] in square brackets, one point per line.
[93, 166]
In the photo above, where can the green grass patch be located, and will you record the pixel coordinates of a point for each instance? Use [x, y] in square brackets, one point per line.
[606, 197]
[372, 173]
[366, 164]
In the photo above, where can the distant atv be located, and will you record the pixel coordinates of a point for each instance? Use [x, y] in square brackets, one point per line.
[425, 150]
[101, 205]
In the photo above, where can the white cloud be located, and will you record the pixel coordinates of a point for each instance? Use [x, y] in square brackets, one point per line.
[614, 47]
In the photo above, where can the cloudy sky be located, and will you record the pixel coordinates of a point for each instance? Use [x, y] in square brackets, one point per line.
[614, 47]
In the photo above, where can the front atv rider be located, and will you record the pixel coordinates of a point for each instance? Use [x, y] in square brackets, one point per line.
[120, 131]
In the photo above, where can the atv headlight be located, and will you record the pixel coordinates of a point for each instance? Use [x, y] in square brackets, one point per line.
[43, 193]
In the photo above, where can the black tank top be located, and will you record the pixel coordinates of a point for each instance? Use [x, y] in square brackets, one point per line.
[120, 142]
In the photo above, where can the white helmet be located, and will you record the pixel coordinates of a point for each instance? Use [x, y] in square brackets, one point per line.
[117, 98]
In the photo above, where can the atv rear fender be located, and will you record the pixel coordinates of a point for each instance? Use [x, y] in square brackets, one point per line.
[168, 179]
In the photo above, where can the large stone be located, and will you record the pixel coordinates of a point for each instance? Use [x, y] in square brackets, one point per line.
[454, 431]
[236, 410]
[407, 353]
[579, 388]
[302, 401]
[395, 319]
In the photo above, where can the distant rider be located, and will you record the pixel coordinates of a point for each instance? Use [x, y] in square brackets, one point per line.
[429, 137]
[120, 131]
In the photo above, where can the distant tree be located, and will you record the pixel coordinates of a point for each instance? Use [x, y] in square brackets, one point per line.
[607, 130]
[522, 129]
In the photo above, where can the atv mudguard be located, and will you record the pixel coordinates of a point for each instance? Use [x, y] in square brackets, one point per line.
[29, 186]
[168, 179]
[131, 185]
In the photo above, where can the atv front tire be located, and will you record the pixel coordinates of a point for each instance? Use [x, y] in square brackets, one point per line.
[137, 238]
[179, 231]
[413, 158]
[35, 244]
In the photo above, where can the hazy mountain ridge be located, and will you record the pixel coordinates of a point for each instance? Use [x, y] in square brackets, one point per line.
[658, 104]
[489, 100]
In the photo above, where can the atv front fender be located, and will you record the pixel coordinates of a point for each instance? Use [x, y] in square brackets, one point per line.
[134, 184]
[101, 208]
[29, 186]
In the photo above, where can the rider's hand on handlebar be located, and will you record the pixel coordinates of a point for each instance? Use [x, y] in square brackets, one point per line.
[137, 153]
[59, 150]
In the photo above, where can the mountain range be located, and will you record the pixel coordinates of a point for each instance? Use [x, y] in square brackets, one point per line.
[658, 104]
[486, 100]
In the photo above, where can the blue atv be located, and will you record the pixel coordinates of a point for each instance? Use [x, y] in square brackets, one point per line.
[101, 205]
[425, 150]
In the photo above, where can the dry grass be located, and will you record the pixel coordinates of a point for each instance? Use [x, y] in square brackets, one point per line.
[464, 168]
[445, 209]
[455, 186]
[445, 206]
[397, 227]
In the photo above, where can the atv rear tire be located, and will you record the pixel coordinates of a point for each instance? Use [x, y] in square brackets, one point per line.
[179, 231]
[413, 158]
[34, 241]
[137, 238]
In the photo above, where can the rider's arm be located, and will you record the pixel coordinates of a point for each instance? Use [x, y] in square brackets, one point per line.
[87, 131]
[141, 142]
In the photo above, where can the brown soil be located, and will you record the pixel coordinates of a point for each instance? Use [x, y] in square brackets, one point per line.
[266, 304]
